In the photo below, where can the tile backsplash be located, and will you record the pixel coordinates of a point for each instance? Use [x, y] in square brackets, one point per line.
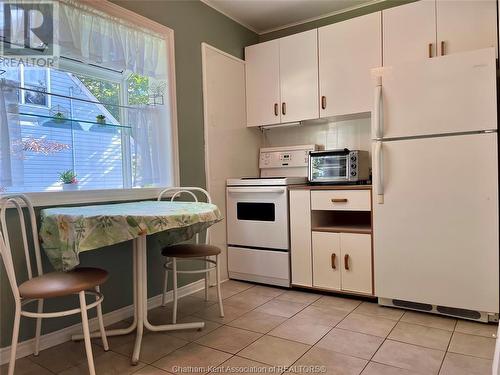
[352, 134]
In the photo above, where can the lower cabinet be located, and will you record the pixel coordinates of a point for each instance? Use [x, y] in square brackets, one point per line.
[342, 261]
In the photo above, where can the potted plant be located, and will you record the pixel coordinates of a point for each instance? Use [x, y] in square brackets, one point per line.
[59, 117]
[100, 119]
[68, 179]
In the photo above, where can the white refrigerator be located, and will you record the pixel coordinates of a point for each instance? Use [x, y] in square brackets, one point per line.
[435, 181]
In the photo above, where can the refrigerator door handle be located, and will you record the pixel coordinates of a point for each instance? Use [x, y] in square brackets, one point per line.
[377, 110]
[379, 176]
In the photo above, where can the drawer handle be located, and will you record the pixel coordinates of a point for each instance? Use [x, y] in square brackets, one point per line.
[339, 200]
[346, 262]
[334, 257]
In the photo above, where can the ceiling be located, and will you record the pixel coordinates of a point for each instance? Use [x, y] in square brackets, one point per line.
[263, 16]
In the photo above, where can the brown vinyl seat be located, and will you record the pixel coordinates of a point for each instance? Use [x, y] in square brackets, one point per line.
[190, 251]
[58, 284]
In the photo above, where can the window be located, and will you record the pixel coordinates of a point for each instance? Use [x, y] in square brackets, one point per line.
[106, 118]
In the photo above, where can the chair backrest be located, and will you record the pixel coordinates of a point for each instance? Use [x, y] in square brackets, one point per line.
[177, 191]
[18, 202]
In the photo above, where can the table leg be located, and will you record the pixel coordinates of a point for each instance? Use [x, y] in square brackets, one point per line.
[141, 277]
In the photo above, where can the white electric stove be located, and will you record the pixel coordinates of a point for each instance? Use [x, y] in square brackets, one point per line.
[257, 216]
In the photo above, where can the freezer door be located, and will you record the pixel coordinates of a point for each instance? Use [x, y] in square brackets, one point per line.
[436, 232]
[448, 94]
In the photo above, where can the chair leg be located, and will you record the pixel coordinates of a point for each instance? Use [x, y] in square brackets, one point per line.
[38, 329]
[219, 294]
[207, 274]
[15, 337]
[101, 322]
[174, 271]
[86, 333]
[165, 286]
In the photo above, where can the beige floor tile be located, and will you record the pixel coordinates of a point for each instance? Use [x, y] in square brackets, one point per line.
[281, 308]
[63, 356]
[154, 346]
[457, 364]
[351, 343]
[429, 320]
[274, 351]
[479, 329]
[302, 330]
[340, 303]
[374, 368]
[229, 339]
[193, 334]
[248, 299]
[228, 289]
[191, 355]
[230, 313]
[433, 338]
[244, 366]
[410, 357]
[297, 296]
[367, 324]
[109, 363]
[374, 309]
[335, 363]
[475, 346]
[24, 366]
[268, 290]
[323, 315]
[150, 370]
[115, 341]
[257, 321]
[188, 305]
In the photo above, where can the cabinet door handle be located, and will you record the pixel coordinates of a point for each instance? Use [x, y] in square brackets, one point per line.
[339, 200]
[430, 49]
[283, 108]
[323, 102]
[346, 262]
[443, 44]
[334, 257]
[276, 112]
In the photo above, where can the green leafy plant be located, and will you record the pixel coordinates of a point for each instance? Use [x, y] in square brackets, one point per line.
[101, 119]
[68, 177]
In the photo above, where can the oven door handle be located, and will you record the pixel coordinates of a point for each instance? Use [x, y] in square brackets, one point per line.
[256, 190]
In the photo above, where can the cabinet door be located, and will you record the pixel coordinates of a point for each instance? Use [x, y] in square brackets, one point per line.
[262, 83]
[356, 262]
[299, 76]
[347, 52]
[465, 25]
[408, 31]
[326, 260]
[300, 237]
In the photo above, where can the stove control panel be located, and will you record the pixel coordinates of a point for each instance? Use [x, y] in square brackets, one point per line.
[285, 157]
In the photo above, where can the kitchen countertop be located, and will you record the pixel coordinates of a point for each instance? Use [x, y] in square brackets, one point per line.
[330, 187]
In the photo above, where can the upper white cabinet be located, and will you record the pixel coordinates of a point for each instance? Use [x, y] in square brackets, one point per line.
[430, 28]
[465, 25]
[282, 80]
[347, 52]
[299, 76]
[409, 32]
[263, 83]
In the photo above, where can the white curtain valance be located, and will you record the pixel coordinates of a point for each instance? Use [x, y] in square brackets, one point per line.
[94, 37]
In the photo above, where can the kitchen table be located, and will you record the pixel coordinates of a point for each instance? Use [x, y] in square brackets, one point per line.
[67, 231]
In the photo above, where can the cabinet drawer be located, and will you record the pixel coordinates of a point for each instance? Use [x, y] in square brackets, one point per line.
[341, 200]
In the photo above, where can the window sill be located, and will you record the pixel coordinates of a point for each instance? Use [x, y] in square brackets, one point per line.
[58, 198]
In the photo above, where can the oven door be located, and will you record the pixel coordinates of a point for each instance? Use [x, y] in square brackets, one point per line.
[258, 217]
[329, 167]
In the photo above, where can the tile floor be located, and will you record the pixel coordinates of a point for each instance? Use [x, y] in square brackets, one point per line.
[267, 327]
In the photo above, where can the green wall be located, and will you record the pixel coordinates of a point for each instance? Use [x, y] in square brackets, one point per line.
[193, 23]
[332, 19]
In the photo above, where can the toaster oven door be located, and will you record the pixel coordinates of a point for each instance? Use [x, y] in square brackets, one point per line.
[329, 167]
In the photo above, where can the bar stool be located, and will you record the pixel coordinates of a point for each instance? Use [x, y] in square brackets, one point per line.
[187, 252]
[79, 281]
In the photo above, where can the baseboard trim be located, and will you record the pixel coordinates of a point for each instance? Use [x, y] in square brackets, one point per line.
[25, 348]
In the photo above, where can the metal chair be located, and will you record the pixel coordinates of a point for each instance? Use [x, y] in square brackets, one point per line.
[79, 281]
[187, 252]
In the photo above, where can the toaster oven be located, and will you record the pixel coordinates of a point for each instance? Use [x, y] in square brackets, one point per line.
[338, 166]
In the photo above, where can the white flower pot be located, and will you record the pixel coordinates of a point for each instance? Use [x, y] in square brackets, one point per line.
[69, 187]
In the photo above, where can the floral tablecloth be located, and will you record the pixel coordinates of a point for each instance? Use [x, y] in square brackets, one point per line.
[67, 231]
